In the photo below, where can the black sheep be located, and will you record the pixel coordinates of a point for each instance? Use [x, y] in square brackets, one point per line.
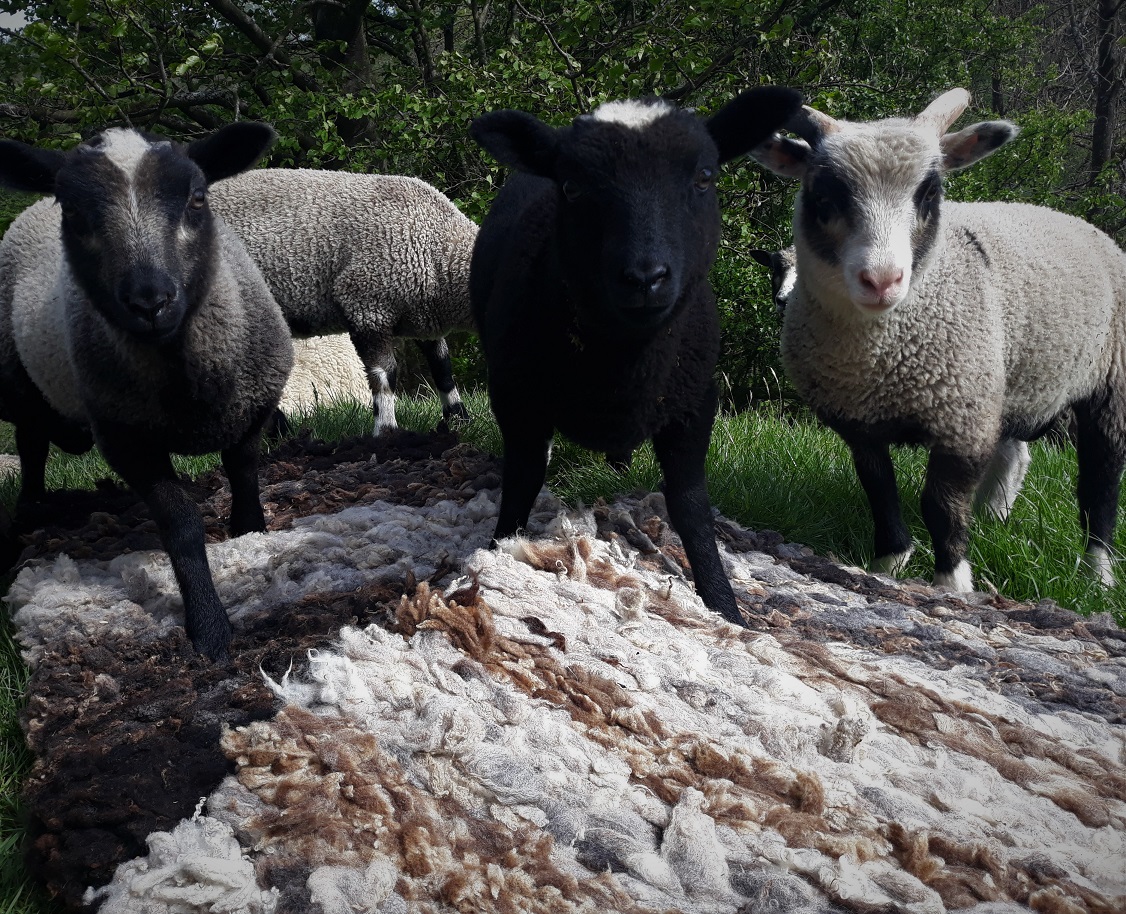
[589, 286]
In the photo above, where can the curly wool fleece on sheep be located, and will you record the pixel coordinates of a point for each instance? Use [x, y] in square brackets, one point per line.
[962, 327]
[376, 256]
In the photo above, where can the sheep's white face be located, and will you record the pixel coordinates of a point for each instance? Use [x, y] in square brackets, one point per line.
[867, 217]
[135, 226]
[868, 213]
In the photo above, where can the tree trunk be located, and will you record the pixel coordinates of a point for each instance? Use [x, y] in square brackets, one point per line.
[345, 24]
[1108, 87]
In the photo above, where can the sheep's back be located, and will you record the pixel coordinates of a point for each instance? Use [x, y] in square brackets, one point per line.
[390, 249]
[1060, 286]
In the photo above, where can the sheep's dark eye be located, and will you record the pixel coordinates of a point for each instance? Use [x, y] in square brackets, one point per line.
[572, 190]
[197, 199]
[704, 179]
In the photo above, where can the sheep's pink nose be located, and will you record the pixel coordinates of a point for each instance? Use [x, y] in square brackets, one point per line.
[880, 282]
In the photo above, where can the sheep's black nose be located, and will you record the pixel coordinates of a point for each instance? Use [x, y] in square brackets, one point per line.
[650, 277]
[146, 298]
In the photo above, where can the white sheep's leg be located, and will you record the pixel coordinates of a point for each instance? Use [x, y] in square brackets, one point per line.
[378, 355]
[1004, 476]
[437, 355]
[1097, 561]
[877, 477]
[951, 480]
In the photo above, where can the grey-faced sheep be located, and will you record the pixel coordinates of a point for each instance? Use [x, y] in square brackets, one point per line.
[376, 256]
[590, 291]
[965, 328]
[783, 274]
[143, 326]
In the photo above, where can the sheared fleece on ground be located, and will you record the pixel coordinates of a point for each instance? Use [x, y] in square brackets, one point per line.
[414, 723]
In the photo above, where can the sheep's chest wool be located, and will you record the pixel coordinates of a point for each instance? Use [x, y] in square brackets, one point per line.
[414, 723]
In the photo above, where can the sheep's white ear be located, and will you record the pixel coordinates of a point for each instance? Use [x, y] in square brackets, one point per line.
[28, 168]
[974, 143]
[945, 110]
[750, 118]
[783, 156]
[517, 139]
[232, 149]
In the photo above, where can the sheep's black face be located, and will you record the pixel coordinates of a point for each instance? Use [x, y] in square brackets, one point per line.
[639, 221]
[137, 231]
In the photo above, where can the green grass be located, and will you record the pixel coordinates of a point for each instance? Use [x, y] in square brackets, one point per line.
[766, 469]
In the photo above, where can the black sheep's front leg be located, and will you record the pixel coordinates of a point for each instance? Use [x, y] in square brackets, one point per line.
[437, 355]
[241, 465]
[149, 472]
[681, 451]
[946, 508]
[876, 473]
[525, 468]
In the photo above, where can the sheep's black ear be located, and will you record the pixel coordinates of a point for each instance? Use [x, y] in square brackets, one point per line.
[750, 118]
[766, 258]
[29, 168]
[231, 149]
[517, 139]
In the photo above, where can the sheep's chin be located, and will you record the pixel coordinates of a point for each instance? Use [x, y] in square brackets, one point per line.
[875, 308]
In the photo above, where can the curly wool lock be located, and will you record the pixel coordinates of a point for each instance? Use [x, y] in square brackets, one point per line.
[376, 256]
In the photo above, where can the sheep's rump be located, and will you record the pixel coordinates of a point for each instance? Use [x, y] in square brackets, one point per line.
[414, 723]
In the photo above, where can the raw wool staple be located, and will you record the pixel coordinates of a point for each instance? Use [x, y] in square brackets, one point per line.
[564, 727]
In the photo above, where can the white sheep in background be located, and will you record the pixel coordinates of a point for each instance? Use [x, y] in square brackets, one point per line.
[326, 369]
[375, 256]
[142, 325]
[963, 327]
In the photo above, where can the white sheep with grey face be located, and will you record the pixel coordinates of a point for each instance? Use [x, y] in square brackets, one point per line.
[379, 257]
[965, 328]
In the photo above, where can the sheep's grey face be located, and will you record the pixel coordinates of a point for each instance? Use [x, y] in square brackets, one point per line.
[136, 227]
[639, 220]
[868, 212]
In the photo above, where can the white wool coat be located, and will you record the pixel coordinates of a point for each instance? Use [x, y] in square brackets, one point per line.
[341, 251]
[1018, 311]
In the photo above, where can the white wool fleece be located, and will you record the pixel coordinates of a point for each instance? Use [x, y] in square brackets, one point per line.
[344, 251]
[994, 326]
[326, 369]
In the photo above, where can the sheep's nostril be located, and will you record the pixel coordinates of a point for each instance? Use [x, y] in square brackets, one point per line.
[649, 278]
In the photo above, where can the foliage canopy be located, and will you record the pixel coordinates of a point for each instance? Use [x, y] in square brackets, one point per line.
[391, 86]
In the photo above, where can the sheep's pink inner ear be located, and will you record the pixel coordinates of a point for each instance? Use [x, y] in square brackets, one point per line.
[782, 156]
[974, 143]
